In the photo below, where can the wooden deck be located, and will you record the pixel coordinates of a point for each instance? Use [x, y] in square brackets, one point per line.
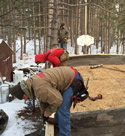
[79, 60]
[110, 122]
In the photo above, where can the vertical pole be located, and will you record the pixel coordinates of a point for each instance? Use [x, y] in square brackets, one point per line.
[85, 25]
[85, 18]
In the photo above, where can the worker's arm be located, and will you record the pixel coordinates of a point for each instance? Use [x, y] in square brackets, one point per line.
[54, 100]
[50, 99]
[54, 60]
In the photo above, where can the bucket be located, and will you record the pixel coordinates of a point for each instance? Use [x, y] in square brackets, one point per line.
[4, 93]
[17, 76]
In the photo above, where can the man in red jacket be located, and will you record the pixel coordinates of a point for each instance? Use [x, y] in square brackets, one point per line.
[56, 56]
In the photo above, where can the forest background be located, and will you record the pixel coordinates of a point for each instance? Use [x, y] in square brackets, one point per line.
[40, 20]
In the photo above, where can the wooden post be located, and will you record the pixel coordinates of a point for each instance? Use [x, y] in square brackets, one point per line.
[84, 48]
[49, 131]
[85, 18]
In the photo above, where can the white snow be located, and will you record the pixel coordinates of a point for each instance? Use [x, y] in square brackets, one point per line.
[13, 127]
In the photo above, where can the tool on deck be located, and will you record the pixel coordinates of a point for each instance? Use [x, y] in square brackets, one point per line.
[87, 84]
[99, 96]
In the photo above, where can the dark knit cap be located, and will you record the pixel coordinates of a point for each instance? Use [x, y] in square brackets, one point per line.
[62, 24]
[17, 91]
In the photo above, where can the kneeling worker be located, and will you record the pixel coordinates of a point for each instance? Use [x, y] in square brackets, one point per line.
[56, 56]
[54, 88]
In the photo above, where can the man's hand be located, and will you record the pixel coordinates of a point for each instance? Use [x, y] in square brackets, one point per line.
[58, 40]
[46, 114]
[45, 118]
[38, 62]
[65, 40]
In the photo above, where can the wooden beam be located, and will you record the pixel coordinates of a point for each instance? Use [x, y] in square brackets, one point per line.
[105, 59]
[107, 122]
[49, 131]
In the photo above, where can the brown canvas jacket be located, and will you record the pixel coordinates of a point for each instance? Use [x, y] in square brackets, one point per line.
[63, 33]
[49, 89]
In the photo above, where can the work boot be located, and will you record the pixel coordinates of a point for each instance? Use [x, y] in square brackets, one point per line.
[52, 121]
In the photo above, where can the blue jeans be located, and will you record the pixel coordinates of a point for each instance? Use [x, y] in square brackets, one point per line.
[63, 45]
[63, 112]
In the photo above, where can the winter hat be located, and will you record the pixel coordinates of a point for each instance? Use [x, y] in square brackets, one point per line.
[62, 24]
[17, 91]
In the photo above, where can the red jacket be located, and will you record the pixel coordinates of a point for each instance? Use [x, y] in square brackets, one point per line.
[53, 57]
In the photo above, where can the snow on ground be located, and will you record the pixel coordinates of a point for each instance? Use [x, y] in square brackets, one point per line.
[11, 108]
[15, 125]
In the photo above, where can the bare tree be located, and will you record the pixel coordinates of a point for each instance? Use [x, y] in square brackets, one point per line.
[34, 27]
[21, 36]
[49, 23]
[39, 27]
[54, 27]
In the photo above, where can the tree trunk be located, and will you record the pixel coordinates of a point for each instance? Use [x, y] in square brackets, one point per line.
[84, 48]
[76, 28]
[45, 36]
[9, 28]
[71, 28]
[39, 28]
[54, 28]
[118, 41]
[49, 24]
[24, 30]
[21, 36]
[123, 44]
[34, 28]
[14, 37]
[3, 27]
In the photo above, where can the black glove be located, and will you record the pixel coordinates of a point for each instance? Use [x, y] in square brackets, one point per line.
[37, 62]
[45, 118]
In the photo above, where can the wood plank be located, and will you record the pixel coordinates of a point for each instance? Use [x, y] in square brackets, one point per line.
[49, 130]
[108, 122]
[97, 59]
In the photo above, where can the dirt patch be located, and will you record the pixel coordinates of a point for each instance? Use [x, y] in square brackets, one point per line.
[32, 116]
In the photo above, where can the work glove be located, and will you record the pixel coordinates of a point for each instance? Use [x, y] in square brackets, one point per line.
[65, 40]
[37, 62]
[59, 40]
[45, 118]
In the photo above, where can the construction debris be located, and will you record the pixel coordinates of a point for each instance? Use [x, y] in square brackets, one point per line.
[96, 66]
